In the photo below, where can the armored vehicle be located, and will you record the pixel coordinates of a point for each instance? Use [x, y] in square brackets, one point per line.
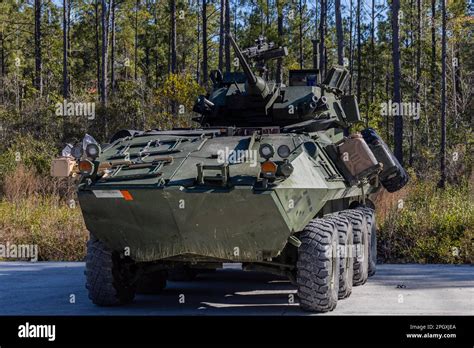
[268, 180]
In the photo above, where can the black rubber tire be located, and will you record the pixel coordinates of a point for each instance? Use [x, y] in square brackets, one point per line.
[317, 268]
[372, 230]
[184, 274]
[105, 279]
[361, 245]
[395, 184]
[152, 283]
[346, 270]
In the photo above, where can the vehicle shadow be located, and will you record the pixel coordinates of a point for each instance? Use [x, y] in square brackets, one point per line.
[227, 292]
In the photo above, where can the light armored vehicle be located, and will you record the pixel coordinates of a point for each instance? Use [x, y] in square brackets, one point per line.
[271, 179]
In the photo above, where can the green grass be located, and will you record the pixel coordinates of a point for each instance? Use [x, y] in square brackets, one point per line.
[433, 225]
[48, 222]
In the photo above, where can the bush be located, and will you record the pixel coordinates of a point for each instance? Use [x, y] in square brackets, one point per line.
[29, 152]
[54, 226]
[36, 209]
[424, 224]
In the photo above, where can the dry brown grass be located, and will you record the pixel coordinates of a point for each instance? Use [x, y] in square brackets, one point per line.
[24, 182]
[57, 229]
[386, 202]
[37, 210]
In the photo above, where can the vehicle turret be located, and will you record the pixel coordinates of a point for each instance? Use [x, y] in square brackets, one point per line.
[246, 98]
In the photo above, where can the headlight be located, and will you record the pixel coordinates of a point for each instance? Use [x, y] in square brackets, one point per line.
[266, 151]
[283, 151]
[92, 151]
[76, 151]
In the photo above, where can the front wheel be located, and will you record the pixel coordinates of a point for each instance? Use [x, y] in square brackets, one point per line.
[108, 277]
[317, 268]
[372, 230]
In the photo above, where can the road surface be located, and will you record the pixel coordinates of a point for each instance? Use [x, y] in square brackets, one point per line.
[57, 288]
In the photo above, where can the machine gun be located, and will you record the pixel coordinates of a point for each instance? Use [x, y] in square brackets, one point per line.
[264, 51]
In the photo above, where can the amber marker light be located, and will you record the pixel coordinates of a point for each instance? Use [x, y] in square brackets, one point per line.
[86, 167]
[268, 169]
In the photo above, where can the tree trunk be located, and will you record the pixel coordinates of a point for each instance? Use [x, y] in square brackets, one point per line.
[104, 54]
[351, 47]
[322, 46]
[340, 34]
[359, 44]
[300, 39]
[38, 59]
[279, 69]
[227, 31]
[267, 14]
[372, 53]
[457, 71]
[147, 45]
[316, 25]
[442, 182]
[157, 58]
[398, 119]
[222, 35]
[455, 85]
[387, 97]
[65, 47]
[69, 50]
[2, 55]
[204, 43]
[112, 48]
[198, 47]
[418, 74]
[97, 50]
[235, 19]
[173, 35]
[433, 47]
[137, 6]
[2, 66]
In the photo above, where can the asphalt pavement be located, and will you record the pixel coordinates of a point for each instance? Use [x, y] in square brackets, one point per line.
[57, 288]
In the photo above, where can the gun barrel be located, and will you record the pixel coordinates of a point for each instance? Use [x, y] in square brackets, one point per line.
[251, 77]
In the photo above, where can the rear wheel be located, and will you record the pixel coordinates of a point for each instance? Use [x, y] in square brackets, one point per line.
[346, 270]
[372, 230]
[109, 279]
[361, 245]
[317, 274]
